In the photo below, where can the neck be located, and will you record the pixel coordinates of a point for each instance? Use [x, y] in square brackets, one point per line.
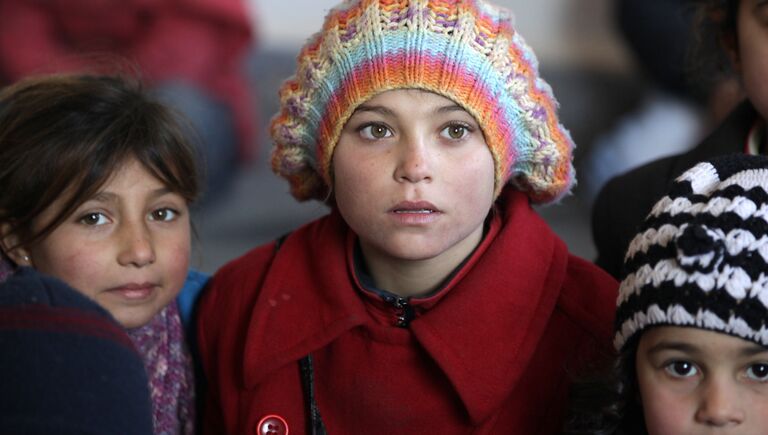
[756, 139]
[419, 277]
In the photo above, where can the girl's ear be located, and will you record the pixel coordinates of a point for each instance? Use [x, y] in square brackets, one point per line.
[731, 47]
[727, 34]
[9, 242]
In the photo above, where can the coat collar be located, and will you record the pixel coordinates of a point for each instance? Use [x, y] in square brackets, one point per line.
[730, 137]
[499, 306]
[484, 332]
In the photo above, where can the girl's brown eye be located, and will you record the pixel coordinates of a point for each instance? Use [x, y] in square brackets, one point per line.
[93, 219]
[378, 131]
[375, 131]
[163, 214]
[758, 372]
[455, 131]
[681, 369]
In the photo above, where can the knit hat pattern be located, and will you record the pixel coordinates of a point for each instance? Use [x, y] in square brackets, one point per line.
[67, 367]
[701, 257]
[465, 50]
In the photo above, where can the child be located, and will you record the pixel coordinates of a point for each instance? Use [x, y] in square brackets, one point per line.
[737, 26]
[432, 299]
[692, 311]
[98, 181]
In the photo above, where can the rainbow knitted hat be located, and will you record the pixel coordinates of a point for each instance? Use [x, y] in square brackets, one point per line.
[465, 50]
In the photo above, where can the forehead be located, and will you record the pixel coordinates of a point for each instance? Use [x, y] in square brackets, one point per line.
[409, 100]
[127, 175]
[692, 339]
[130, 174]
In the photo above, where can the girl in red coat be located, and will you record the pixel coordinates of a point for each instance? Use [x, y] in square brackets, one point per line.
[432, 298]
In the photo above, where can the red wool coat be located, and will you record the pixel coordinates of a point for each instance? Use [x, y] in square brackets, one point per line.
[493, 352]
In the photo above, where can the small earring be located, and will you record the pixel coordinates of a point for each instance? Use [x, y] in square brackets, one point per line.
[26, 258]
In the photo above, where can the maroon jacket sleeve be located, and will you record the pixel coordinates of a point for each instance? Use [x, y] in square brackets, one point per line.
[589, 299]
[29, 43]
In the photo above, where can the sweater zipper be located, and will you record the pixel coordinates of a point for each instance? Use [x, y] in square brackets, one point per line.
[404, 311]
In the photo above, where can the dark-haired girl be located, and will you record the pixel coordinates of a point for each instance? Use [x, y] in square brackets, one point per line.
[98, 180]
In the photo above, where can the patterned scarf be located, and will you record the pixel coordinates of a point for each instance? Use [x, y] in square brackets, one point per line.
[169, 368]
[6, 267]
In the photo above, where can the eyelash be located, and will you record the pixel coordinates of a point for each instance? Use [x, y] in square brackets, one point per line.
[175, 213]
[468, 129]
[756, 379]
[362, 128]
[82, 219]
[151, 215]
[669, 367]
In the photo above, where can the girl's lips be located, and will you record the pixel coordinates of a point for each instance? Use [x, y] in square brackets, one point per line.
[414, 207]
[415, 212]
[134, 291]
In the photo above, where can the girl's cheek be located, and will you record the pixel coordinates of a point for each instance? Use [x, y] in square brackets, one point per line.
[180, 252]
[178, 261]
[663, 410]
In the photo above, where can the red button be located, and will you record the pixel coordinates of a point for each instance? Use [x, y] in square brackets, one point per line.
[272, 425]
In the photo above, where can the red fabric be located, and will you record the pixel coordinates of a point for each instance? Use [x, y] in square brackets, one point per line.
[494, 352]
[65, 320]
[202, 42]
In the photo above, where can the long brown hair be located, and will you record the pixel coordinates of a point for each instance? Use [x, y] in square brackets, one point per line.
[67, 134]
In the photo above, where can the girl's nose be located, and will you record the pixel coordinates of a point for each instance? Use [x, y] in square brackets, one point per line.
[414, 162]
[720, 404]
[136, 248]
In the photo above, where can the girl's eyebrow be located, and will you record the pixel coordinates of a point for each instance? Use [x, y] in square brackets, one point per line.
[673, 345]
[376, 109]
[107, 196]
[388, 112]
[104, 197]
[451, 108]
[747, 350]
[752, 349]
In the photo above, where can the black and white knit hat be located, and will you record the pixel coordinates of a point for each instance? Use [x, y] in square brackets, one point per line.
[701, 256]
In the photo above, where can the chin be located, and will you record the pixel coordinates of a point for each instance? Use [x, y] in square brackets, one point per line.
[414, 251]
[133, 320]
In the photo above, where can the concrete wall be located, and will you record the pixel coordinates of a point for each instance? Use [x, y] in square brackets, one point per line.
[563, 33]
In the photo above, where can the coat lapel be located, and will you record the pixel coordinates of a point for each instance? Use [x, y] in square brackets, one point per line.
[483, 333]
[306, 301]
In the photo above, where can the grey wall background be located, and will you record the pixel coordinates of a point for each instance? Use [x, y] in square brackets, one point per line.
[561, 32]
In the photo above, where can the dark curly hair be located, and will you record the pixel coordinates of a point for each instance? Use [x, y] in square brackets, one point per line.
[608, 402]
[715, 33]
